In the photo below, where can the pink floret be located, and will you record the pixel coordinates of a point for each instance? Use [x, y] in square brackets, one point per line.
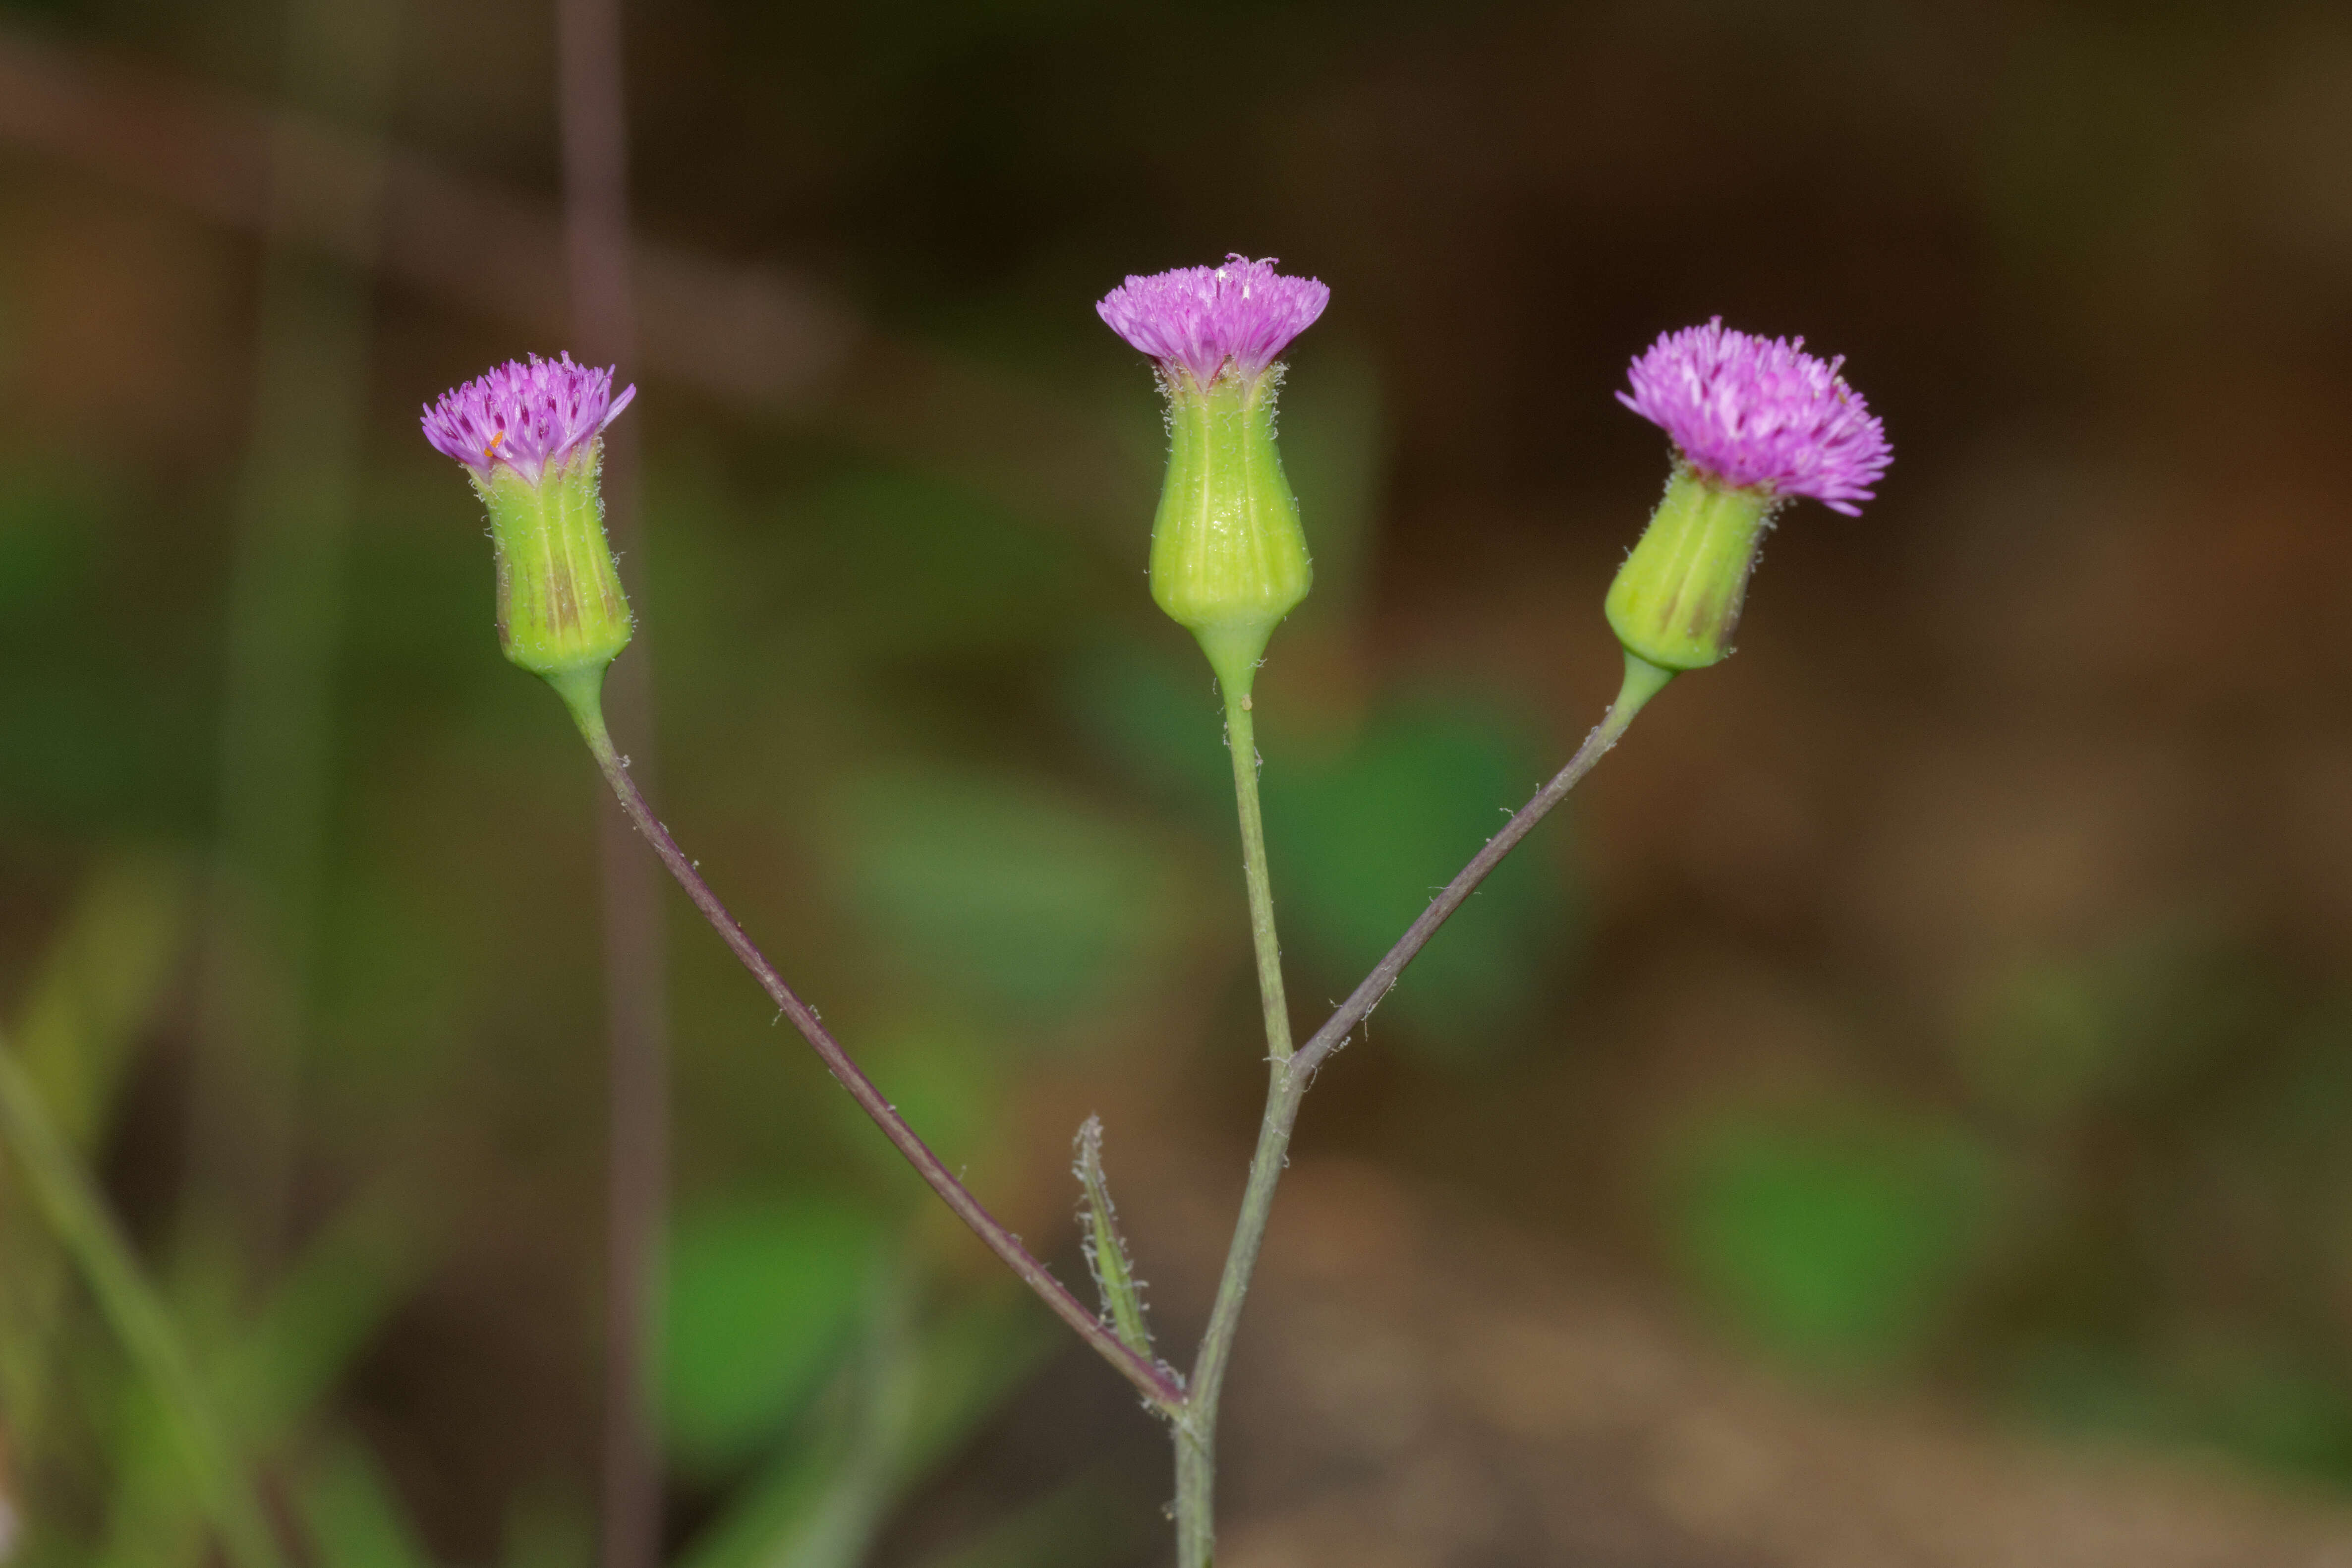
[1758, 410]
[528, 414]
[1200, 317]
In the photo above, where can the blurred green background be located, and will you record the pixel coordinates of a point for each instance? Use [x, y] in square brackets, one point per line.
[1945, 999]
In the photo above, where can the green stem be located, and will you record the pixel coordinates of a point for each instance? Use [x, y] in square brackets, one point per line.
[1196, 1443]
[1242, 741]
[76, 1212]
[1289, 1073]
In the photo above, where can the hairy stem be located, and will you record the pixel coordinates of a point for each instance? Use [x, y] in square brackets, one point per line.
[1106, 1248]
[1241, 739]
[1196, 1454]
[580, 693]
[78, 1213]
[1289, 1074]
[1642, 681]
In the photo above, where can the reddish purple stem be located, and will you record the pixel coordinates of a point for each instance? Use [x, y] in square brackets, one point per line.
[1155, 1383]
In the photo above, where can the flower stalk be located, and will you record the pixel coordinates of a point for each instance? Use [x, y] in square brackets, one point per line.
[528, 434]
[580, 693]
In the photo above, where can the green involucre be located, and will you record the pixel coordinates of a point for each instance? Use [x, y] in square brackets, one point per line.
[560, 608]
[1677, 600]
[1228, 557]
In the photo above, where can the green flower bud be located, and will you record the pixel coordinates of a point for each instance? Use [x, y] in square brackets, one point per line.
[560, 608]
[1228, 557]
[1677, 600]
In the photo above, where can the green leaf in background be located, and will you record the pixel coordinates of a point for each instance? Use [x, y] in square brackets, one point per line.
[1834, 1238]
[1151, 709]
[2063, 1033]
[48, 531]
[909, 1396]
[2271, 1405]
[1361, 842]
[1001, 890]
[354, 1517]
[763, 1294]
[2283, 1410]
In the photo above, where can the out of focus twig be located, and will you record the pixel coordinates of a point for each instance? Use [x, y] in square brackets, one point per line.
[296, 492]
[741, 332]
[592, 95]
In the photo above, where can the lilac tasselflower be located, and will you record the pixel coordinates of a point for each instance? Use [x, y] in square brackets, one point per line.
[1228, 557]
[1199, 318]
[1761, 412]
[530, 433]
[528, 415]
[1755, 421]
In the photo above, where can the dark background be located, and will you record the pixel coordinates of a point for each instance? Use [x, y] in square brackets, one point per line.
[1939, 1008]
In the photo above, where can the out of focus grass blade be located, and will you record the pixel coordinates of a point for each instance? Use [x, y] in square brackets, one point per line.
[323, 1312]
[94, 990]
[264, 1372]
[97, 987]
[78, 1214]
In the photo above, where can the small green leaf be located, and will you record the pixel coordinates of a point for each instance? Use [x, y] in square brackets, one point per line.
[1106, 1250]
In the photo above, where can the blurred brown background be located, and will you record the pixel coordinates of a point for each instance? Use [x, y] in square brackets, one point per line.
[1895, 1114]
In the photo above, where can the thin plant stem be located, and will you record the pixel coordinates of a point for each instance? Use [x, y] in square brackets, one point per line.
[84, 1227]
[1196, 1451]
[1643, 680]
[1289, 1073]
[1241, 740]
[1157, 1386]
[592, 106]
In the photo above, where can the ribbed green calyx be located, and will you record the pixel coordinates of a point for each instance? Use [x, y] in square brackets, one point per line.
[1228, 558]
[1677, 600]
[560, 609]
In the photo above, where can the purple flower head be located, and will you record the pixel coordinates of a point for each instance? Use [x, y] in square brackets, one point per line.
[528, 414]
[1200, 317]
[1757, 411]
